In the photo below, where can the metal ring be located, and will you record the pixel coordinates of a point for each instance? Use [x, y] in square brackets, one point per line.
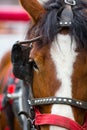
[70, 2]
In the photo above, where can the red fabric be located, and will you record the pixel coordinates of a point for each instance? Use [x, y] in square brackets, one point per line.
[13, 13]
[56, 120]
[11, 88]
[7, 128]
[1, 100]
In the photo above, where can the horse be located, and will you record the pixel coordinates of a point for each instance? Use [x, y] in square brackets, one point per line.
[54, 59]
[13, 96]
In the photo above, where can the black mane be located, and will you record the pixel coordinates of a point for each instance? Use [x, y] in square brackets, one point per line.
[49, 25]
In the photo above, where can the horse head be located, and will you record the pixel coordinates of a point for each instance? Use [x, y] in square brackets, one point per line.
[59, 62]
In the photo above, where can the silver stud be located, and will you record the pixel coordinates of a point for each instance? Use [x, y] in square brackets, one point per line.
[64, 100]
[60, 99]
[66, 23]
[54, 99]
[35, 101]
[47, 99]
[61, 23]
[77, 102]
[69, 22]
[40, 100]
[50, 99]
[80, 103]
[69, 100]
[43, 100]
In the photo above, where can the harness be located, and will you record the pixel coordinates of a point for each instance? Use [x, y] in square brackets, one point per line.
[12, 97]
[9, 83]
[7, 96]
[22, 68]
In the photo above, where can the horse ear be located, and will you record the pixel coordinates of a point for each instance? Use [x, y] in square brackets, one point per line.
[34, 8]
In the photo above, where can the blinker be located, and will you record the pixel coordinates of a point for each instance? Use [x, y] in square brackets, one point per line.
[21, 67]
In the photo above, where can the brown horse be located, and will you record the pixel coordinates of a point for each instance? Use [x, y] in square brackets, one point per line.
[59, 58]
[12, 101]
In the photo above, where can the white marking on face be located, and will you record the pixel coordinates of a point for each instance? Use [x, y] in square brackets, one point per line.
[63, 55]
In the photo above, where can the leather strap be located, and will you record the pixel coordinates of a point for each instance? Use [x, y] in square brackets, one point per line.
[56, 120]
[67, 13]
[58, 100]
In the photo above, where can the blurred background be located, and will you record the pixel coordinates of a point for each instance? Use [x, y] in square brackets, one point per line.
[9, 2]
[13, 24]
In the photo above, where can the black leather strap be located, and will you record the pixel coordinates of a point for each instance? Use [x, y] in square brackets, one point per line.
[58, 100]
[67, 13]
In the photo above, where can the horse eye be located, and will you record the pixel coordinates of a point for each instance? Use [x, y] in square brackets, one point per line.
[35, 67]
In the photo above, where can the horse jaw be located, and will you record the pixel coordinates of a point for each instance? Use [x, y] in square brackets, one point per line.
[33, 8]
[64, 56]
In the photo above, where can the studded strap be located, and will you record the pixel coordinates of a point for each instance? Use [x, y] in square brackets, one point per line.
[58, 100]
[67, 13]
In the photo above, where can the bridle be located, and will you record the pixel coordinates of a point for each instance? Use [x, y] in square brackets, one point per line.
[35, 117]
[44, 119]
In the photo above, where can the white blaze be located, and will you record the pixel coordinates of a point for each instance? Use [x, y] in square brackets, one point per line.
[63, 55]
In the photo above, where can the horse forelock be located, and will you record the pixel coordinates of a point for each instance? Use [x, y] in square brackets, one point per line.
[48, 26]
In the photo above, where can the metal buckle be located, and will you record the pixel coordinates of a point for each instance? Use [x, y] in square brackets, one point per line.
[70, 2]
